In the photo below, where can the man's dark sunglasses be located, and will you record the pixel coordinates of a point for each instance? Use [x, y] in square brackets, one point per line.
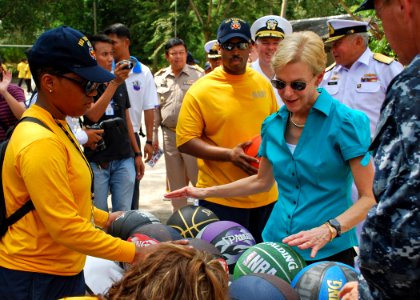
[231, 46]
[87, 86]
[296, 85]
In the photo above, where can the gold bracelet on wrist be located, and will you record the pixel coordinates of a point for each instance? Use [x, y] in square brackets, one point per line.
[331, 230]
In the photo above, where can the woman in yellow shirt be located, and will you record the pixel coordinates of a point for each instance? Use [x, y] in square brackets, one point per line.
[42, 255]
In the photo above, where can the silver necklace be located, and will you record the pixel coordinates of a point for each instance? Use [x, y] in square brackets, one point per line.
[297, 125]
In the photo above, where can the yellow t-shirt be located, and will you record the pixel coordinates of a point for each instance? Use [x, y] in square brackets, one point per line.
[226, 110]
[28, 74]
[55, 237]
[21, 68]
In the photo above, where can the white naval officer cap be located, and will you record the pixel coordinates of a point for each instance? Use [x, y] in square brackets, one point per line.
[212, 49]
[270, 26]
[338, 28]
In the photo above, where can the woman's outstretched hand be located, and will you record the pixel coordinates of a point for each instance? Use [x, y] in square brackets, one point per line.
[185, 192]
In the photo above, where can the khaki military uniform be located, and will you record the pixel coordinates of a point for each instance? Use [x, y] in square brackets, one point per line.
[180, 168]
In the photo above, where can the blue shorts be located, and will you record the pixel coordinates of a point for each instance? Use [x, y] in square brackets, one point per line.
[21, 285]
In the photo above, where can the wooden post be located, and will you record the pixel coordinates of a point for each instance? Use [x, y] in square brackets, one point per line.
[283, 9]
[94, 17]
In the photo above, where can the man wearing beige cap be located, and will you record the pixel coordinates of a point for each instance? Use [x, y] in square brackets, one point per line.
[213, 55]
[267, 32]
[359, 78]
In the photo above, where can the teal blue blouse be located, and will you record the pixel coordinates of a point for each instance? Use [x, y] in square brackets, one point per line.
[315, 182]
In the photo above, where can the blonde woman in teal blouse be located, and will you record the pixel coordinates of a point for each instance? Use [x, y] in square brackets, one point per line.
[313, 148]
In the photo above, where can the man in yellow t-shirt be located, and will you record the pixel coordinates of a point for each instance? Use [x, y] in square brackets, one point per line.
[28, 79]
[21, 68]
[219, 116]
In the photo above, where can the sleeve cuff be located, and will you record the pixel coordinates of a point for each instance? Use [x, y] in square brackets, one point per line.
[81, 136]
[366, 159]
[100, 217]
[128, 251]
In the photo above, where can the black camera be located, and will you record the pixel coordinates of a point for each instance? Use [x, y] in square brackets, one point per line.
[100, 145]
[111, 128]
[128, 64]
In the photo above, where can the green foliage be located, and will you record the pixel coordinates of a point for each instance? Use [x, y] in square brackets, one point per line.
[22, 21]
[303, 9]
[381, 46]
[151, 23]
[378, 42]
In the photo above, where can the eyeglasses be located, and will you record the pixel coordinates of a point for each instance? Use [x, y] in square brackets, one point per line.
[231, 46]
[88, 86]
[296, 85]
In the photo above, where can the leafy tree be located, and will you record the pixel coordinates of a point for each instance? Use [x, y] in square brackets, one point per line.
[377, 42]
[152, 23]
[22, 21]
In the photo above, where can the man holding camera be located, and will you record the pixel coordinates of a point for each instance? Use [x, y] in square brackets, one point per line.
[141, 91]
[114, 157]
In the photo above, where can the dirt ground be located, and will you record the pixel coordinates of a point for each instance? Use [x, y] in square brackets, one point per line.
[152, 189]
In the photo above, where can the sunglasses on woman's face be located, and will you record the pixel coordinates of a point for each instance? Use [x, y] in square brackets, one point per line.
[88, 86]
[296, 85]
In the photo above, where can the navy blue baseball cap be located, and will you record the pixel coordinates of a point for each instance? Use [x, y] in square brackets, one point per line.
[67, 49]
[366, 5]
[231, 28]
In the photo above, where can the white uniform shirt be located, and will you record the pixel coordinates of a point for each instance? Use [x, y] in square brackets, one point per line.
[363, 86]
[256, 66]
[142, 93]
[77, 130]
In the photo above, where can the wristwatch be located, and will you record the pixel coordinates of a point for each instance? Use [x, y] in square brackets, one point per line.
[336, 225]
[149, 142]
[137, 154]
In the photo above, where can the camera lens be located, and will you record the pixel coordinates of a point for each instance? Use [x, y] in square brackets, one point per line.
[100, 146]
[129, 65]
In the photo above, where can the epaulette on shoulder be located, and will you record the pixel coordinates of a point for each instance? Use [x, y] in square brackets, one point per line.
[383, 58]
[160, 72]
[330, 67]
[197, 68]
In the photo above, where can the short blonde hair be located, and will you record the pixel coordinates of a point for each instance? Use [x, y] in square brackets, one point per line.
[303, 46]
